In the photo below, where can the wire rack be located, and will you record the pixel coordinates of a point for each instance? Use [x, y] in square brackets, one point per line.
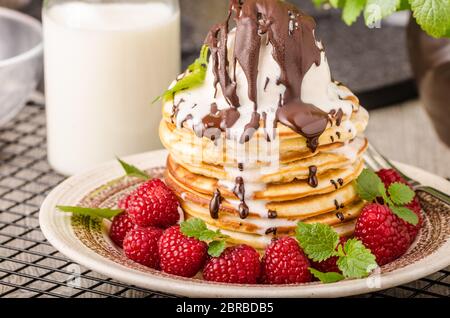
[31, 267]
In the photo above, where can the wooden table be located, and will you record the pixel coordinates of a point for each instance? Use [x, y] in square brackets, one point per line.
[30, 267]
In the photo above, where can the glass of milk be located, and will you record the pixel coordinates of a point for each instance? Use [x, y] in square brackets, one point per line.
[105, 62]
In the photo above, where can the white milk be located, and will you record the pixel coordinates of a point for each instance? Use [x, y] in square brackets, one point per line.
[104, 65]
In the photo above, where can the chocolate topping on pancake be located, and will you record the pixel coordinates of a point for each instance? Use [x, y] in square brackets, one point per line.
[239, 192]
[214, 205]
[312, 178]
[291, 33]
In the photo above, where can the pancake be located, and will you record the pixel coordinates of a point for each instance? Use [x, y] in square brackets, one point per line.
[184, 144]
[339, 157]
[300, 208]
[328, 181]
[261, 226]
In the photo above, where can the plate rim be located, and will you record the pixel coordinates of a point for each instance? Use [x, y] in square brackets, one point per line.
[176, 286]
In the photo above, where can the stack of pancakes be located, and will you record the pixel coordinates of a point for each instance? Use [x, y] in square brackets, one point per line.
[277, 197]
[267, 138]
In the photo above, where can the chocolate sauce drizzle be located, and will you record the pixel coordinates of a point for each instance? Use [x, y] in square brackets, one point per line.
[338, 206]
[340, 216]
[340, 182]
[291, 33]
[175, 109]
[239, 191]
[312, 178]
[334, 183]
[214, 204]
[272, 230]
[339, 116]
[266, 83]
[272, 214]
[216, 122]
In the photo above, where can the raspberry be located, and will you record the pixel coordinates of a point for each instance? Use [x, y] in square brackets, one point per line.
[123, 203]
[181, 255]
[141, 246]
[147, 186]
[143, 189]
[238, 264]
[285, 263]
[389, 176]
[120, 226]
[382, 232]
[329, 265]
[153, 204]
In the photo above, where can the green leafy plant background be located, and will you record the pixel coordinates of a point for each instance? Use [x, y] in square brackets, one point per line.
[432, 15]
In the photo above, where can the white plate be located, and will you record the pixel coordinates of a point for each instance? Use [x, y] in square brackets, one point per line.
[86, 242]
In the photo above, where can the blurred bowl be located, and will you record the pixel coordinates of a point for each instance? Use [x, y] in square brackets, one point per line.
[20, 61]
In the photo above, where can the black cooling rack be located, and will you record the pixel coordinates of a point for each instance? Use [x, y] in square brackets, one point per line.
[31, 267]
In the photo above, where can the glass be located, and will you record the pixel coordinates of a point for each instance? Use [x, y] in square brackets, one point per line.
[105, 62]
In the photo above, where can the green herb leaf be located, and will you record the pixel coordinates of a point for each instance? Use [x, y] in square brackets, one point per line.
[358, 261]
[197, 228]
[432, 15]
[405, 214]
[337, 3]
[194, 76]
[318, 241]
[400, 193]
[377, 10]
[352, 9]
[193, 227]
[318, 3]
[133, 171]
[92, 212]
[215, 248]
[209, 235]
[383, 194]
[327, 278]
[369, 186]
[404, 5]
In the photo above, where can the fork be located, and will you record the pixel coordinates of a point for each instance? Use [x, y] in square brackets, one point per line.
[376, 161]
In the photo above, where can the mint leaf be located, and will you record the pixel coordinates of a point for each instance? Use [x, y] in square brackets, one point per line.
[337, 3]
[197, 228]
[327, 278]
[383, 194]
[133, 171]
[400, 193]
[215, 248]
[193, 227]
[318, 3]
[432, 15]
[209, 235]
[404, 5]
[194, 76]
[405, 214]
[379, 9]
[318, 241]
[369, 186]
[358, 261]
[351, 10]
[92, 212]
